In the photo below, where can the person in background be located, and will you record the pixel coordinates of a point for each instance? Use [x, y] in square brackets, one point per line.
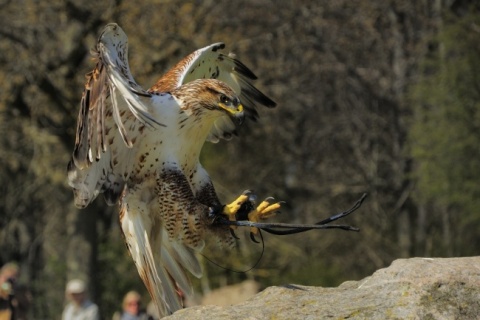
[79, 307]
[14, 298]
[132, 308]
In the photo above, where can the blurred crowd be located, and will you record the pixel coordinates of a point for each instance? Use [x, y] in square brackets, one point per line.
[80, 307]
[15, 300]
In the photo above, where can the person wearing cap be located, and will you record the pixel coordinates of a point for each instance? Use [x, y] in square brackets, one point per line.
[79, 307]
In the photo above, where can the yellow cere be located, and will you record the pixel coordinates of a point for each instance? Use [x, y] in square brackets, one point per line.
[239, 109]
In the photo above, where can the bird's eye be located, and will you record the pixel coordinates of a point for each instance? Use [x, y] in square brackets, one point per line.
[225, 100]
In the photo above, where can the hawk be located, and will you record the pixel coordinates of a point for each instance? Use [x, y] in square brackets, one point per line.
[141, 148]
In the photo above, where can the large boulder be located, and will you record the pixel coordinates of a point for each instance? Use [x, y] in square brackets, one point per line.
[417, 288]
[233, 294]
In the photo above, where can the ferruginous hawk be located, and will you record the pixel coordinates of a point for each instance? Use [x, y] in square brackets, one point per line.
[141, 148]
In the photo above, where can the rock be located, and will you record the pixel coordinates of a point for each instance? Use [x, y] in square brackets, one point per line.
[417, 288]
[233, 294]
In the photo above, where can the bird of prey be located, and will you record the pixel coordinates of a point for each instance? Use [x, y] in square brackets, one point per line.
[141, 148]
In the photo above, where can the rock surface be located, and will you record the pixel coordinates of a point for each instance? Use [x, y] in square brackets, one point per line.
[233, 294]
[417, 288]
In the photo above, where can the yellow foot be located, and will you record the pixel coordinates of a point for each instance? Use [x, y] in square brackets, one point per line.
[264, 210]
[243, 208]
[231, 209]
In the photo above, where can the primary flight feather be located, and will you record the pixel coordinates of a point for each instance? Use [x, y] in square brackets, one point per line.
[141, 148]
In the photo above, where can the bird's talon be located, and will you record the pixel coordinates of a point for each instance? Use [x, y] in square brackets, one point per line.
[264, 210]
[252, 237]
[243, 209]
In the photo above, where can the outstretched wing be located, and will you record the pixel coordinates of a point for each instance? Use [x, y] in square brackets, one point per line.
[207, 63]
[112, 79]
[114, 108]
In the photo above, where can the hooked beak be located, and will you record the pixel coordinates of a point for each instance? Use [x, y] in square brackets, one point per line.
[236, 113]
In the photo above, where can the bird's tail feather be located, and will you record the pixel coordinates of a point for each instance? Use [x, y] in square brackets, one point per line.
[161, 263]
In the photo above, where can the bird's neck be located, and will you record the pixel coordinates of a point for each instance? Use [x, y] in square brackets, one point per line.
[190, 135]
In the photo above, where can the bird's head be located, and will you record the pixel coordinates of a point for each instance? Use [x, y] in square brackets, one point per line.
[211, 98]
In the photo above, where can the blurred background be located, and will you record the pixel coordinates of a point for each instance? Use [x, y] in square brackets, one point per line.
[378, 96]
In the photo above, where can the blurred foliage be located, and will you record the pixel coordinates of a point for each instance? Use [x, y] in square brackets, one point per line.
[445, 133]
[373, 96]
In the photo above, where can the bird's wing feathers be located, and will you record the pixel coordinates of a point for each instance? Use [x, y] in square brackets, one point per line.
[109, 89]
[126, 91]
[112, 109]
[208, 63]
